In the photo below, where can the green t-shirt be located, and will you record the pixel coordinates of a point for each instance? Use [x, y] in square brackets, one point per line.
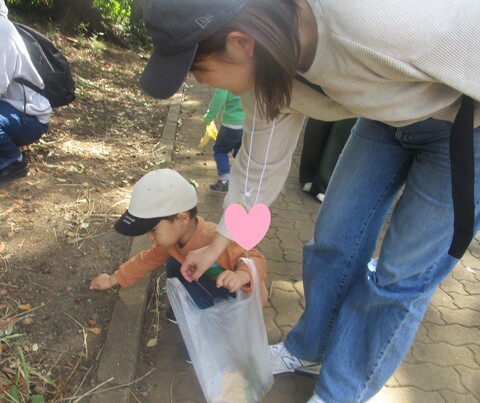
[232, 108]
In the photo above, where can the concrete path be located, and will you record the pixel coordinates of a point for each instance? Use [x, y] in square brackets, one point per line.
[442, 365]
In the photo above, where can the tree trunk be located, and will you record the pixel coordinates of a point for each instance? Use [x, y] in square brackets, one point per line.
[136, 17]
[72, 13]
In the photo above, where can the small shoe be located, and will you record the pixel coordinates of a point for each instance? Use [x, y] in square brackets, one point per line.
[315, 399]
[320, 197]
[15, 170]
[219, 186]
[171, 316]
[283, 361]
[307, 187]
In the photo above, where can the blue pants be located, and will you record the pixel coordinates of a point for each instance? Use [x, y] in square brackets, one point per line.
[16, 129]
[227, 140]
[203, 297]
[361, 316]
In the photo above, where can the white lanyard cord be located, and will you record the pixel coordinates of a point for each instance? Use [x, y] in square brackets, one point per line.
[247, 193]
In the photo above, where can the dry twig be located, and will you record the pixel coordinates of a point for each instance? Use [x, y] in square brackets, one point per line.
[94, 391]
[85, 345]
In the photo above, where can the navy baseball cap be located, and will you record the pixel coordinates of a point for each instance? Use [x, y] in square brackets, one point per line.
[176, 28]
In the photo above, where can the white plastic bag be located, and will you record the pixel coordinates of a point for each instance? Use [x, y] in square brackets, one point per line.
[227, 343]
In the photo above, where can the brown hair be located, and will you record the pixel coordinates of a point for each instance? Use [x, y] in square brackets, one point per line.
[192, 213]
[273, 25]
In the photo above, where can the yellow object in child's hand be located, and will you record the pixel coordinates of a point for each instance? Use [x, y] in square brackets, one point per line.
[211, 129]
[204, 140]
[210, 133]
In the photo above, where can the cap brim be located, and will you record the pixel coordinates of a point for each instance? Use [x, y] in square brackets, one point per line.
[130, 225]
[164, 74]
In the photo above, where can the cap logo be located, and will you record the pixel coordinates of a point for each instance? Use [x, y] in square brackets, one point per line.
[204, 21]
[128, 220]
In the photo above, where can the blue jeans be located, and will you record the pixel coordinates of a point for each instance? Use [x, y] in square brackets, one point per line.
[227, 140]
[361, 316]
[203, 295]
[16, 129]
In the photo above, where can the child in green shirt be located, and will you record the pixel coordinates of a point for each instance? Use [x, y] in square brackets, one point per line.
[229, 136]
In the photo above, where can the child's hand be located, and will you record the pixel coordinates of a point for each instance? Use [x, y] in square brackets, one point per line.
[103, 282]
[233, 280]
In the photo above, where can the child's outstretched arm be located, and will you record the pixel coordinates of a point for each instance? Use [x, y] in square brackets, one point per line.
[103, 282]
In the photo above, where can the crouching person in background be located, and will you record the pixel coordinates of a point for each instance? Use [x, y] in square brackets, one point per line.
[24, 113]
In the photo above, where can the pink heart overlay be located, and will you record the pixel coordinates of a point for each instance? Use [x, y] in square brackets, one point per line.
[247, 229]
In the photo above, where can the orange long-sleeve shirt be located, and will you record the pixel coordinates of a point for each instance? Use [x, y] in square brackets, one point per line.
[145, 262]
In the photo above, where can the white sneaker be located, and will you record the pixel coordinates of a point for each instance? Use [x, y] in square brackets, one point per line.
[283, 361]
[315, 399]
[307, 187]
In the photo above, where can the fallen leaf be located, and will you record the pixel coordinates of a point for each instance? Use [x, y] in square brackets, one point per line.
[152, 342]
[94, 330]
[8, 370]
[5, 323]
[25, 307]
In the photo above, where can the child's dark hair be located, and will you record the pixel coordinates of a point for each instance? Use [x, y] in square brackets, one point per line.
[192, 213]
[273, 25]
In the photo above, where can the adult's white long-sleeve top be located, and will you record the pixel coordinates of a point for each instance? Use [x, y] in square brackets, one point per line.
[398, 62]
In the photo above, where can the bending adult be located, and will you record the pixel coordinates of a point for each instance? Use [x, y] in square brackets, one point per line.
[401, 67]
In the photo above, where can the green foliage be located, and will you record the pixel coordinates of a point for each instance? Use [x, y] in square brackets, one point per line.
[13, 396]
[117, 11]
[31, 3]
[7, 334]
[136, 35]
[20, 389]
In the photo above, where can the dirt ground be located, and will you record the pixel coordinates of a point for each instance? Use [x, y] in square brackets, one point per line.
[56, 224]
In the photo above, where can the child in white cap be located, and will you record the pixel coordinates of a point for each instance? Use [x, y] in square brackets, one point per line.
[163, 206]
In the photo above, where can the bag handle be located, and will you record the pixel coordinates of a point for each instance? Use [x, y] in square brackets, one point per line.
[255, 279]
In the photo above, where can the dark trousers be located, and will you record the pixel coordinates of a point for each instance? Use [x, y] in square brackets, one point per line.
[203, 297]
[16, 130]
[322, 144]
[228, 139]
